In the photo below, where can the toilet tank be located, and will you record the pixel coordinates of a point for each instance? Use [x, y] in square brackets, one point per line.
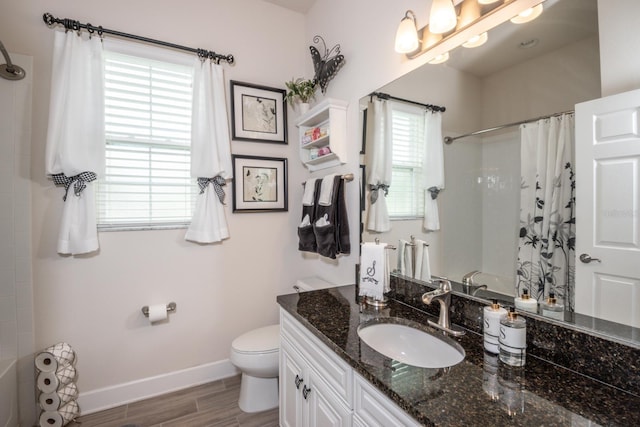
[312, 283]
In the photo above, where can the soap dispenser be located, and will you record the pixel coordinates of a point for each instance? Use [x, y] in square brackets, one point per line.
[513, 339]
[551, 308]
[491, 319]
[526, 302]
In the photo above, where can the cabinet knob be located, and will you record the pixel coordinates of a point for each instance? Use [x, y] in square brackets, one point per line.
[305, 391]
[298, 381]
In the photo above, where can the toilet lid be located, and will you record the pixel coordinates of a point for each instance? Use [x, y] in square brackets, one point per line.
[261, 340]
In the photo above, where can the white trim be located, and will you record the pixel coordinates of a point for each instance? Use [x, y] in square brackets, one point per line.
[122, 394]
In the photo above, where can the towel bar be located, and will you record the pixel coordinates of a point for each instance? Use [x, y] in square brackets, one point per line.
[170, 307]
[347, 178]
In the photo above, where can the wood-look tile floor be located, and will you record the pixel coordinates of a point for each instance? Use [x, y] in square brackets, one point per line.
[212, 404]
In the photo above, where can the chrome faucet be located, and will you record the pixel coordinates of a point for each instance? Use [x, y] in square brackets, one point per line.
[443, 296]
[467, 279]
[470, 286]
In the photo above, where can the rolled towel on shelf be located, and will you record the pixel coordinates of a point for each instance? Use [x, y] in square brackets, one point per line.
[61, 417]
[49, 382]
[58, 399]
[51, 358]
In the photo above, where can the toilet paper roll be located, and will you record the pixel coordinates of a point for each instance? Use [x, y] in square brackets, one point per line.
[56, 400]
[157, 313]
[49, 382]
[51, 358]
[62, 417]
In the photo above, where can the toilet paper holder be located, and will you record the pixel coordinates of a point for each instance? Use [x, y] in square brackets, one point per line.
[170, 307]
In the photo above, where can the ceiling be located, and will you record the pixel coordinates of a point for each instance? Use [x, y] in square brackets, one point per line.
[562, 22]
[301, 6]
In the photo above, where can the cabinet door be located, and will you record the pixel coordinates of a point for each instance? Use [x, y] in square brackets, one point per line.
[324, 408]
[291, 383]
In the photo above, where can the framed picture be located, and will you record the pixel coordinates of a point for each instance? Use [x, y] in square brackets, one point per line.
[259, 184]
[258, 113]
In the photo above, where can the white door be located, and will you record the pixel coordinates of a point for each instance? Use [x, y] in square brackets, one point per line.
[608, 208]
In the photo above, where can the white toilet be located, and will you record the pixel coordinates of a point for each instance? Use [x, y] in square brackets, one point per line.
[256, 354]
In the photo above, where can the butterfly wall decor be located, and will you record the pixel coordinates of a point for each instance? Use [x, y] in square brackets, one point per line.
[326, 66]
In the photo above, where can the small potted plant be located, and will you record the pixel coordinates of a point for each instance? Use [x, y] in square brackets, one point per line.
[302, 91]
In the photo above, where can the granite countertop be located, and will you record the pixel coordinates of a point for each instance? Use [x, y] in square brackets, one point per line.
[478, 391]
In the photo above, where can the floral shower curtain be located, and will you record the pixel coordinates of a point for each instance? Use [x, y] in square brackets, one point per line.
[546, 248]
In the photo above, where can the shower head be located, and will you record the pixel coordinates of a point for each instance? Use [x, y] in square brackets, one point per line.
[10, 71]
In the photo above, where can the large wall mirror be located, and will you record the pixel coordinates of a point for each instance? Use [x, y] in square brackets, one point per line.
[523, 72]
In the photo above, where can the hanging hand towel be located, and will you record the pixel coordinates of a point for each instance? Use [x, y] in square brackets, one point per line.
[332, 231]
[423, 268]
[306, 235]
[308, 198]
[405, 258]
[326, 190]
[374, 270]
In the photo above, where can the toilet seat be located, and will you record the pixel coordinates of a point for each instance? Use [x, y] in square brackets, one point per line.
[264, 340]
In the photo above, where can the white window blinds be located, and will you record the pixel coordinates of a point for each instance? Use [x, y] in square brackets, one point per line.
[406, 195]
[147, 183]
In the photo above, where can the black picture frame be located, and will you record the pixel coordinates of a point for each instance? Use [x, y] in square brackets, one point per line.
[259, 184]
[258, 113]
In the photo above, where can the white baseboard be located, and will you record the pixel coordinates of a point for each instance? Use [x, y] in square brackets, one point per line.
[121, 394]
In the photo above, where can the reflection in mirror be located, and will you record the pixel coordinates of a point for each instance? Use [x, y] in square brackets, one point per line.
[522, 72]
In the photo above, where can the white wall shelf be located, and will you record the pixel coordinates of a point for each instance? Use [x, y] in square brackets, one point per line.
[330, 115]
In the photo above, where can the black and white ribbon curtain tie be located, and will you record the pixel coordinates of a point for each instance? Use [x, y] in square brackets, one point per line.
[79, 182]
[217, 181]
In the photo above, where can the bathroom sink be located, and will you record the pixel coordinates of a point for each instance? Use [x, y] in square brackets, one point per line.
[412, 346]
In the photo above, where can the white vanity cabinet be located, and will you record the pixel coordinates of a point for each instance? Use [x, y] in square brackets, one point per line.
[315, 385]
[323, 129]
[318, 388]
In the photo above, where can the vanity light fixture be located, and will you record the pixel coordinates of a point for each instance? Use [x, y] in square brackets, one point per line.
[470, 32]
[527, 15]
[407, 34]
[442, 17]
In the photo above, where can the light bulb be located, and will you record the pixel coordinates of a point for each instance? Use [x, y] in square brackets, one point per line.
[407, 34]
[487, 1]
[476, 41]
[440, 59]
[442, 17]
[527, 15]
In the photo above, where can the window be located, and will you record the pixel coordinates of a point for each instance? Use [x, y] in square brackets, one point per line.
[147, 181]
[406, 194]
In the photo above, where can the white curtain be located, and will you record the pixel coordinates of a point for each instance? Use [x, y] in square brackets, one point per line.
[433, 168]
[379, 159]
[75, 148]
[210, 153]
[546, 249]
